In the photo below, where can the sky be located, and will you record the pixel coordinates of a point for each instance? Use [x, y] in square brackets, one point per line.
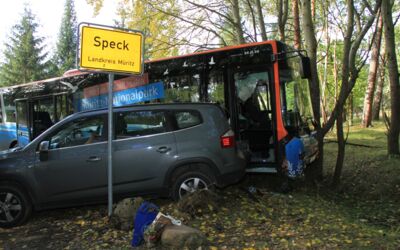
[48, 15]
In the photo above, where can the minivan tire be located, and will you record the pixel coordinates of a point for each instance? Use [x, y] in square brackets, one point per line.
[15, 206]
[187, 180]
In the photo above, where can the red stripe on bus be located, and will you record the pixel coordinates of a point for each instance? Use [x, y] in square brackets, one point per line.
[121, 84]
[281, 131]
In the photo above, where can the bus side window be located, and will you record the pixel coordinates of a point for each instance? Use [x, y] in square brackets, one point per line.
[182, 88]
[9, 109]
[10, 114]
[215, 88]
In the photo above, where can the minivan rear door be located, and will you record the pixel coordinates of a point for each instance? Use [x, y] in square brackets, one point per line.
[144, 148]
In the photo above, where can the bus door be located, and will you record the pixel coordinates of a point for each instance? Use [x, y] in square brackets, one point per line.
[42, 115]
[254, 120]
[22, 115]
[63, 107]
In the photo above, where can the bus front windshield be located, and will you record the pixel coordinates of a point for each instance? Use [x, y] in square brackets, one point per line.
[295, 96]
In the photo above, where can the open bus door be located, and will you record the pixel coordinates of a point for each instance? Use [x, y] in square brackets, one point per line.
[255, 118]
[42, 115]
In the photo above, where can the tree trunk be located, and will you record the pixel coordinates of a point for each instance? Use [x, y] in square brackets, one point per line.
[311, 47]
[261, 22]
[296, 23]
[282, 18]
[341, 148]
[373, 68]
[335, 73]
[379, 90]
[350, 111]
[325, 72]
[313, 9]
[346, 64]
[238, 22]
[253, 19]
[392, 66]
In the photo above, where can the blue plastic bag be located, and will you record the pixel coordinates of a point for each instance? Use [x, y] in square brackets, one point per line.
[145, 215]
[294, 151]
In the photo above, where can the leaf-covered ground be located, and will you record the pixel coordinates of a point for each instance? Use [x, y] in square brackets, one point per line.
[364, 213]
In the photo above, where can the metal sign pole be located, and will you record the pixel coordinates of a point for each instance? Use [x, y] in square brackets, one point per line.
[132, 63]
[110, 137]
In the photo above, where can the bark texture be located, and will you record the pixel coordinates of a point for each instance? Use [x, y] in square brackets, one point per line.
[261, 22]
[296, 24]
[372, 76]
[237, 21]
[392, 67]
[311, 47]
[283, 9]
[377, 103]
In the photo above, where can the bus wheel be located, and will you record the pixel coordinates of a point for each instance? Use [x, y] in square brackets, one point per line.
[13, 144]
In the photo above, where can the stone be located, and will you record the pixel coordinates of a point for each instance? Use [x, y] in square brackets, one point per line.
[199, 203]
[124, 213]
[182, 237]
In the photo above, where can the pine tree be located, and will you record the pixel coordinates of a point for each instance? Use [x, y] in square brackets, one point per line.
[24, 54]
[65, 56]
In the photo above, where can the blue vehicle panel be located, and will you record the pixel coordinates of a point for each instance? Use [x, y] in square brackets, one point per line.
[8, 134]
[23, 135]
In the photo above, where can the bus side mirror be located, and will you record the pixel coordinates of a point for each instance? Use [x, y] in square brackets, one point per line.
[44, 151]
[305, 67]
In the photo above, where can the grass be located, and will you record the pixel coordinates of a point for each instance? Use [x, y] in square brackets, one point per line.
[367, 171]
[369, 193]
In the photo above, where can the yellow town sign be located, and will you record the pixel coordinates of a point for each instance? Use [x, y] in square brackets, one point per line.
[111, 50]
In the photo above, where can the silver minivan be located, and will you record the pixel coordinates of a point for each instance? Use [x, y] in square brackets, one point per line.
[161, 149]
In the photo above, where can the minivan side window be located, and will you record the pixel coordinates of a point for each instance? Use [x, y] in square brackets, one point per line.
[139, 123]
[187, 119]
[81, 131]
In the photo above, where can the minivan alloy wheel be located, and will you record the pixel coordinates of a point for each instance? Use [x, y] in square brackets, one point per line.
[10, 207]
[15, 205]
[190, 179]
[191, 185]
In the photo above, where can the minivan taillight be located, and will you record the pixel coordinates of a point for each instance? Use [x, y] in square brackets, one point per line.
[228, 139]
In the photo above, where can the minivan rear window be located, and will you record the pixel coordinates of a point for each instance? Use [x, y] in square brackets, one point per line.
[187, 119]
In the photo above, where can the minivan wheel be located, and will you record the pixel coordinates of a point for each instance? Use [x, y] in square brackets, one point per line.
[189, 182]
[15, 206]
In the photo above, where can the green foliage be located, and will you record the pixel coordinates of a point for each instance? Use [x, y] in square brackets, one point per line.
[24, 56]
[65, 56]
[159, 28]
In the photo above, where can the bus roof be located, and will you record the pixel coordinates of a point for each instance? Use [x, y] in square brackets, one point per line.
[246, 45]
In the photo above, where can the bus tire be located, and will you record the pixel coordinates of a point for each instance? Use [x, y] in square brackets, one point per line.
[14, 144]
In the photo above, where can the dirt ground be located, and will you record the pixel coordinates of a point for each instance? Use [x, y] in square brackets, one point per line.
[263, 219]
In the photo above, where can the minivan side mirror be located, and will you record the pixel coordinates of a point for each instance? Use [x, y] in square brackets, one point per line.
[305, 67]
[44, 151]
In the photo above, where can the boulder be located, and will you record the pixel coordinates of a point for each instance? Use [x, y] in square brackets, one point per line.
[182, 237]
[124, 213]
[199, 203]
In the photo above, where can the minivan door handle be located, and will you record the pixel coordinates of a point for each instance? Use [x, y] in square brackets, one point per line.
[93, 159]
[163, 149]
